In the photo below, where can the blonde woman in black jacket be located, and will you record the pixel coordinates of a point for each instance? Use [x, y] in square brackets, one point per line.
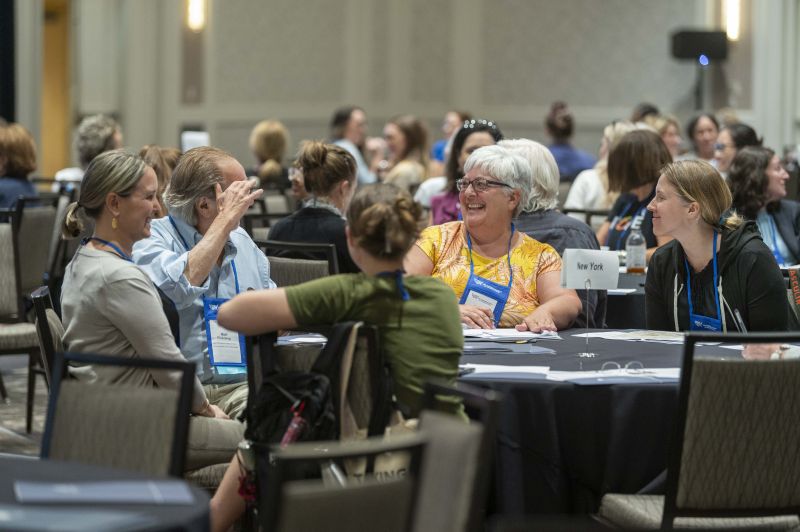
[717, 274]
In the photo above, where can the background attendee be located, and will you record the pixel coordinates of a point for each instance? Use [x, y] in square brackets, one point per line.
[95, 134]
[268, 142]
[472, 134]
[634, 165]
[349, 130]
[730, 140]
[541, 221]
[199, 252]
[452, 121]
[502, 277]
[590, 189]
[717, 274]
[110, 305]
[758, 185]
[643, 111]
[559, 125]
[416, 316]
[162, 161]
[329, 173]
[702, 130]
[17, 161]
[407, 146]
[670, 130]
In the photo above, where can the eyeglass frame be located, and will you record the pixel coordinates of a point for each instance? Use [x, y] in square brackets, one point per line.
[487, 184]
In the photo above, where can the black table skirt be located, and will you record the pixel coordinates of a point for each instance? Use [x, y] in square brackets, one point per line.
[561, 446]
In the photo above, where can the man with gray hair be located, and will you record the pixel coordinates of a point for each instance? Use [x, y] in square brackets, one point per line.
[200, 257]
[541, 220]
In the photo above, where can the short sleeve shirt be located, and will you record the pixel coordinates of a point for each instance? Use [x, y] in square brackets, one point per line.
[446, 246]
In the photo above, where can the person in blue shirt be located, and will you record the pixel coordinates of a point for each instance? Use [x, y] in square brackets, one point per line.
[559, 125]
[200, 257]
[17, 160]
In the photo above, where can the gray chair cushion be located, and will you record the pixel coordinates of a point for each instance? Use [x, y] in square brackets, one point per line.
[643, 512]
[18, 336]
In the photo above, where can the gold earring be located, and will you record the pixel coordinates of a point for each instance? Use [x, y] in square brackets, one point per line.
[114, 223]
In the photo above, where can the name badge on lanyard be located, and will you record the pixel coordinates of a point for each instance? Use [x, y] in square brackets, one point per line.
[225, 347]
[484, 293]
[698, 322]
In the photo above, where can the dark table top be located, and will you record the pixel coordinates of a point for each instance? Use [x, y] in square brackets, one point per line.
[190, 517]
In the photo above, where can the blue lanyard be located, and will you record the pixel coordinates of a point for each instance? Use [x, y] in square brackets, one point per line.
[776, 252]
[117, 250]
[398, 279]
[508, 255]
[185, 245]
[689, 280]
[621, 237]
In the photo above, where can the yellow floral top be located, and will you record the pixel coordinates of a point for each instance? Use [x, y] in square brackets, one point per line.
[446, 246]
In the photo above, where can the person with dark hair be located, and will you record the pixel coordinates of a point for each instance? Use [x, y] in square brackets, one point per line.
[17, 161]
[407, 146]
[634, 165]
[472, 134]
[452, 121]
[416, 316]
[730, 140]
[198, 255]
[717, 274]
[702, 131]
[163, 162]
[268, 142]
[349, 130]
[758, 185]
[329, 173]
[642, 111]
[559, 124]
[110, 305]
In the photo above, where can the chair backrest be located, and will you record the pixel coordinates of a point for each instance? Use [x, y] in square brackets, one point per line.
[374, 503]
[11, 307]
[458, 459]
[36, 227]
[301, 250]
[49, 329]
[288, 272]
[738, 423]
[57, 243]
[136, 428]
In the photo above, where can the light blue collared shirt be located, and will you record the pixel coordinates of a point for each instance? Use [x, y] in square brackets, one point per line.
[365, 176]
[163, 257]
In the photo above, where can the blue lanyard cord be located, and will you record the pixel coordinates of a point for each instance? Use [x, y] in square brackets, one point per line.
[117, 251]
[620, 244]
[185, 245]
[508, 255]
[689, 280]
[775, 249]
[398, 279]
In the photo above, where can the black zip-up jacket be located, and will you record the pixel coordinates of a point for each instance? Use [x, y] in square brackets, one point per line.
[750, 278]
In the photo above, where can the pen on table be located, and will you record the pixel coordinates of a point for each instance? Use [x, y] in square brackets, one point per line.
[465, 371]
[739, 321]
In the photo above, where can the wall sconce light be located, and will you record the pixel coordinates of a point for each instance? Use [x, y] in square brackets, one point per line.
[731, 13]
[196, 15]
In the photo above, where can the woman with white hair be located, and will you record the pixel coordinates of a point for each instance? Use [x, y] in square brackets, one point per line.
[541, 221]
[502, 277]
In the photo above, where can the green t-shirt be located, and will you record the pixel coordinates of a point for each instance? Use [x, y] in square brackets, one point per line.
[421, 338]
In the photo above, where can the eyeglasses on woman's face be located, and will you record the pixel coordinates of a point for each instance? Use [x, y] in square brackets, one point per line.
[479, 184]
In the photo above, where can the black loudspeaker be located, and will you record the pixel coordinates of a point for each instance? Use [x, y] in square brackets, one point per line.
[688, 44]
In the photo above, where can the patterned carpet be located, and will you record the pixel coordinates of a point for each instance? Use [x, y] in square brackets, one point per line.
[13, 438]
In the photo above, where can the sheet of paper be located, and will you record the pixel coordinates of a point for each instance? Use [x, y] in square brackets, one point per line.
[485, 369]
[74, 519]
[670, 337]
[620, 291]
[654, 374]
[310, 339]
[509, 334]
[122, 492]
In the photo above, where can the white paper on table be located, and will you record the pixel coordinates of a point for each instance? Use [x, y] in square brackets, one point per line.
[669, 337]
[509, 334]
[620, 291]
[493, 368]
[656, 373]
[316, 339]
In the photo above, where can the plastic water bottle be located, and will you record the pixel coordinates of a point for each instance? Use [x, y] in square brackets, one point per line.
[635, 249]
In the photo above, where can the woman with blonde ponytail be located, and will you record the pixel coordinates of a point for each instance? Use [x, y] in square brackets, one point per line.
[268, 142]
[717, 274]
